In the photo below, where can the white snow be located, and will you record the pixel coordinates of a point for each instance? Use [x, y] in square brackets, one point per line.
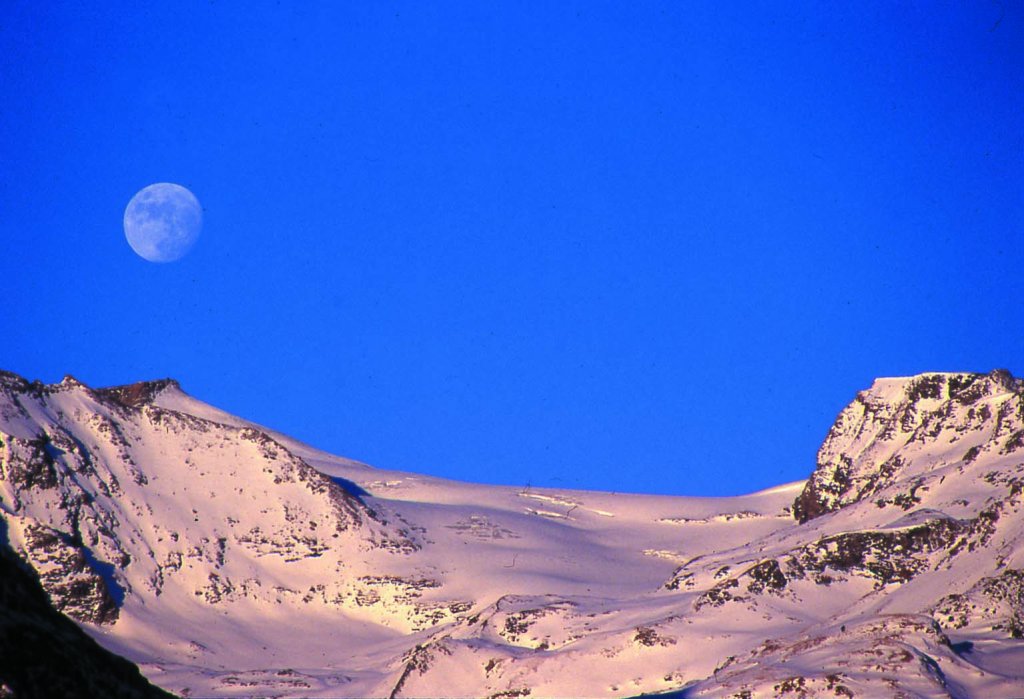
[245, 577]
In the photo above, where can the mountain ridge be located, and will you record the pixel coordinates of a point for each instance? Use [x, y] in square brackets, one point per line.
[200, 546]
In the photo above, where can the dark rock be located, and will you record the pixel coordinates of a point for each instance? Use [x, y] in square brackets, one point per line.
[996, 600]
[649, 636]
[43, 654]
[29, 463]
[13, 382]
[72, 583]
[766, 575]
[419, 660]
[888, 556]
[137, 394]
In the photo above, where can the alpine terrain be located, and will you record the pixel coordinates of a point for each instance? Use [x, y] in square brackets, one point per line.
[227, 560]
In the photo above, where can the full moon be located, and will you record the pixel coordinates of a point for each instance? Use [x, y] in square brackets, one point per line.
[162, 222]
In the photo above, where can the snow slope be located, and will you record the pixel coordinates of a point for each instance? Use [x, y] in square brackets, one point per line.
[229, 560]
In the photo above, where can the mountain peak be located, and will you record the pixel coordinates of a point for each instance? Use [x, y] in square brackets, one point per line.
[9, 379]
[129, 395]
[899, 421]
[963, 387]
[139, 393]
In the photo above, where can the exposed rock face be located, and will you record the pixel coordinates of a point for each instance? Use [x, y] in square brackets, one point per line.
[43, 654]
[28, 464]
[899, 421]
[137, 394]
[893, 655]
[884, 556]
[996, 602]
[66, 568]
[73, 585]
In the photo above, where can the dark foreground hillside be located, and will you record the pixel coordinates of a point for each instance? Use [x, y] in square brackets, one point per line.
[44, 655]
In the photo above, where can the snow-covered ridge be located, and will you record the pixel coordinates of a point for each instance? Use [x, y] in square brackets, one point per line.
[230, 560]
[905, 430]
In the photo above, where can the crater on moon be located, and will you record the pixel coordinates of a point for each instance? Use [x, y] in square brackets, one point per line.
[162, 222]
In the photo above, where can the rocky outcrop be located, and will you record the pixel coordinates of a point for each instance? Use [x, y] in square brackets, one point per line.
[893, 655]
[902, 421]
[890, 555]
[137, 394]
[995, 602]
[43, 654]
[28, 464]
[72, 582]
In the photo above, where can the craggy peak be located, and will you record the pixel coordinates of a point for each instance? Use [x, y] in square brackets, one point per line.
[136, 394]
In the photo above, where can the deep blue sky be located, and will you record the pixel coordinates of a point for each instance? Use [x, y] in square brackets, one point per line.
[650, 249]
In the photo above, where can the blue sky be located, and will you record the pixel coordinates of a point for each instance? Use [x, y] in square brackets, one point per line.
[632, 247]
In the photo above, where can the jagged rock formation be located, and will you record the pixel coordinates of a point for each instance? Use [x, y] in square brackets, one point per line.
[229, 560]
[901, 430]
[73, 583]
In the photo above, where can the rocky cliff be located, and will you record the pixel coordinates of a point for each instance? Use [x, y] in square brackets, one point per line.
[901, 432]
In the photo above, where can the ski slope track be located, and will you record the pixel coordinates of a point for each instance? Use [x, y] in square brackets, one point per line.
[228, 560]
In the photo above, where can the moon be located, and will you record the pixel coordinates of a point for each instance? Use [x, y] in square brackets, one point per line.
[162, 222]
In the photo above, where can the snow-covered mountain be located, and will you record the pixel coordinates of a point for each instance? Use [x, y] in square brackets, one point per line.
[229, 560]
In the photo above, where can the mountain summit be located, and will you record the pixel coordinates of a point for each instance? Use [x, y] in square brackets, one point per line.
[226, 559]
[900, 430]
